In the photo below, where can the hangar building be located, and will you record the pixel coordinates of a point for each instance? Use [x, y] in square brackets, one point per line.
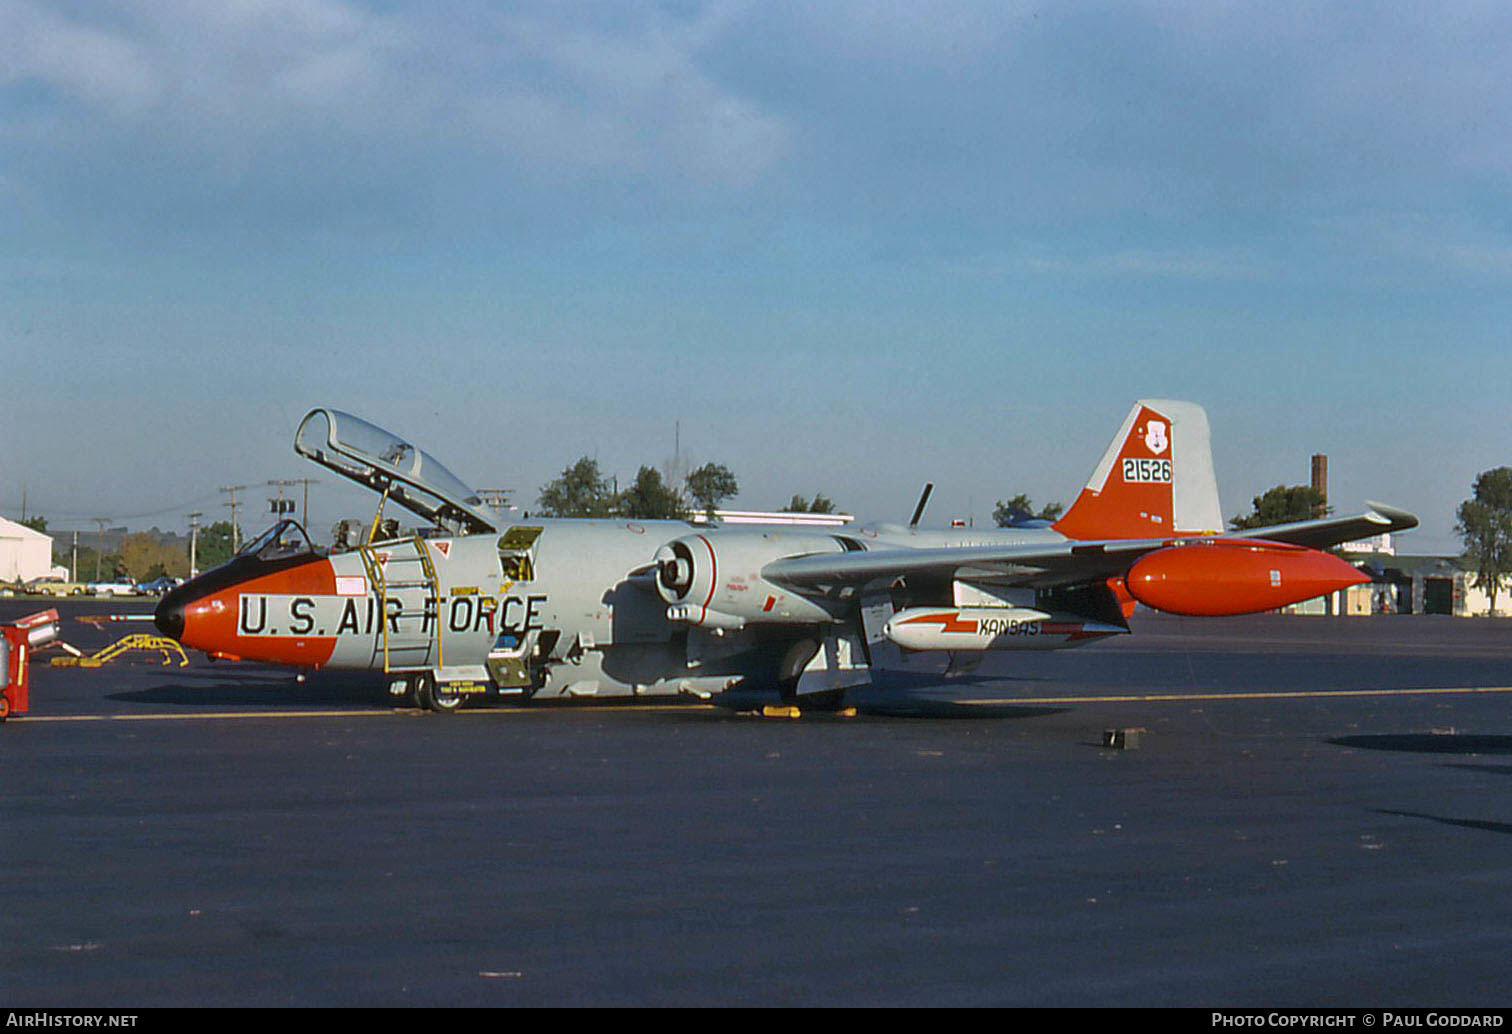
[24, 554]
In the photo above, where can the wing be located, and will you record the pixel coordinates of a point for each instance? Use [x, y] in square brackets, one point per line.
[1056, 563]
[1060, 563]
[1331, 531]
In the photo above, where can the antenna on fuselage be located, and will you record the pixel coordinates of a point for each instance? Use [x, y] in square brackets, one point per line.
[923, 501]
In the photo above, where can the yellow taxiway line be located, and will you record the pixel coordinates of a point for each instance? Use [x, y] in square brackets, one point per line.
[202, 716]
[213, 716]
[1171, 698]
[1138, 698]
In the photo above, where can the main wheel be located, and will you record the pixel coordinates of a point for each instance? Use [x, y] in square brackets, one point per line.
[423, 689]
[436, 698]
[444, 700]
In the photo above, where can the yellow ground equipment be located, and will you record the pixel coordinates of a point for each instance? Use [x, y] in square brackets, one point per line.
[135, 641]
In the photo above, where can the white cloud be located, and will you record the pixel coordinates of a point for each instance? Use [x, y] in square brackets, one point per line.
[874, 122]
[941, 33]
[1481, 259]
[568, 92]
[1193, 265]
[88, 64]
[221, 83]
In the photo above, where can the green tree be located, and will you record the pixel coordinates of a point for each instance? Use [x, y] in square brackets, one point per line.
[1282, 505]
[138, 553]
[650, 498]
[1010, 511]
[142, 554]
[64, 555]
[710, 485]
[821, 503]
[214, 547]
[580, 491]
[1485, 527]
[111, 567]
[37, 523]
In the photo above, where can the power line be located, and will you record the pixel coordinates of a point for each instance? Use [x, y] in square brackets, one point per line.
[289, 483]
[78, 516]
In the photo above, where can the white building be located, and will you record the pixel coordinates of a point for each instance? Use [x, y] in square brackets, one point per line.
[24, 554]
[1379, 544]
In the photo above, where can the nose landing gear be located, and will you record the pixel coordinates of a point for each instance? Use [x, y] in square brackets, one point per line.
[420, 689]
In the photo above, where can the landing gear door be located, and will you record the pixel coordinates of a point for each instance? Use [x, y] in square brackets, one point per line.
[509, 662]
[517, 555]
[512, 660]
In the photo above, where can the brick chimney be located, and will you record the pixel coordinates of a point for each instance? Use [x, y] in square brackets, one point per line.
[1320, 481]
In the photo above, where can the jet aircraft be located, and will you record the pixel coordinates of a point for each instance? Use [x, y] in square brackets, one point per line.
[533, 609]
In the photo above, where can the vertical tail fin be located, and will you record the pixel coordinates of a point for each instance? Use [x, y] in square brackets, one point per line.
[1155, 479]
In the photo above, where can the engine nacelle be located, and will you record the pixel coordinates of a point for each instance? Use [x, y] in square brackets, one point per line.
[714, 580]
[1221, 577]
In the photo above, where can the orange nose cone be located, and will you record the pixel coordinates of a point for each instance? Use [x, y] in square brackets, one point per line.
[256, 610]
[1217, 578]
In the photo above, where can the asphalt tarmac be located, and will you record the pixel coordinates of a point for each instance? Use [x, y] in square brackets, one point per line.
[1317, 814]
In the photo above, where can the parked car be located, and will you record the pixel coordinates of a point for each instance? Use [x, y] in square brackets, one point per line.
[49, 586]
[158, 586]
[114, 587]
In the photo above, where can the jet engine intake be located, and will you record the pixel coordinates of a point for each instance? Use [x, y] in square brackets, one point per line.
[674, 571]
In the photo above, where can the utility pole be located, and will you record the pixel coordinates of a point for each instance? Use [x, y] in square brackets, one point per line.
[235, 511]
[99, 543]
[73, 563]
[290, 483]
[194, 543]
[304, 513]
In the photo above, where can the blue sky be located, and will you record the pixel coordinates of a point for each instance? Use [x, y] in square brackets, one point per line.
[850, 247]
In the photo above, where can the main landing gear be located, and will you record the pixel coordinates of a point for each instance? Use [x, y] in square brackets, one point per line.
[419, 689]
[791, 670]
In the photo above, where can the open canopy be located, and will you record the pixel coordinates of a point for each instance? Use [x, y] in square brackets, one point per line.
[386, 463]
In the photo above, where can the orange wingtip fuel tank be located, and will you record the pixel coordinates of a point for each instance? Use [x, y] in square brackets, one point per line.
[1221, 577]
